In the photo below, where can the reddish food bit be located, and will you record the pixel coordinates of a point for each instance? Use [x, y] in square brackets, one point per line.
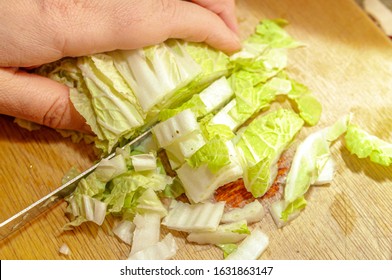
[236, 195]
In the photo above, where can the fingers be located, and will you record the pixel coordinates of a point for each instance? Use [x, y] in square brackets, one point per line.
[38, 99]
[46, 31]
[223, 8]
[127, 24]
[193, 22]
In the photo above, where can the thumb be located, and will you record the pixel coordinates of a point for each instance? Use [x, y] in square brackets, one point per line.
[38, 99]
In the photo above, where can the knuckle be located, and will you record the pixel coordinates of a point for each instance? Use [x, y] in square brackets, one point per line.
[54, 116]
[168, 9]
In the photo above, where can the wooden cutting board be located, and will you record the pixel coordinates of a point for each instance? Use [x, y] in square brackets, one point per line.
[347, 62]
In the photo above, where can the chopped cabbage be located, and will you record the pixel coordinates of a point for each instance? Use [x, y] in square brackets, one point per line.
[262, 143]
[124, 231]
[147, 231]
[194, 217]
[309, 160]
[251, 247]
[251, 212]
[224, 234]
[144, 162]
[364, 145]
[162, 250]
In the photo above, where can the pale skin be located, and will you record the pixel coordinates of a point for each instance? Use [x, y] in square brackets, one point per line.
[34, 32]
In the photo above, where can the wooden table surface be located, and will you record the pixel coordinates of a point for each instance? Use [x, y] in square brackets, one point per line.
[347, 63]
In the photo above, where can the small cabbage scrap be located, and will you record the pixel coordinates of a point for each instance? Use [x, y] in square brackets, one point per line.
[224, 234]
[309, 160]
[364, 145]
[251, 247]
[161, 250]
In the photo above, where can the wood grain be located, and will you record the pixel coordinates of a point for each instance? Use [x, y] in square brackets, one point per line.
[347, 62]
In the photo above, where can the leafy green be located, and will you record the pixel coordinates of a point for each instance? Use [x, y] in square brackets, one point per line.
[309, 160]
[227, 249]
[214, 153]
[269, 35]
[157, 72]
[173, 190]
[203, 103]
[296, 205]
[365, 145]
[262, 143]
[308, 106]
[200, 183]
[108, 169]
[121, 91]
[225, 233]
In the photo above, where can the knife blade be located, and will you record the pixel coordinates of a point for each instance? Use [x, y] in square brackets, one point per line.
[31, 212]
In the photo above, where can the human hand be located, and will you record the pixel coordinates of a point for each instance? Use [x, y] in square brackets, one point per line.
[35, 32]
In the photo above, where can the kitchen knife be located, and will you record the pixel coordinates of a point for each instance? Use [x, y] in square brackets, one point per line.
[34, 210]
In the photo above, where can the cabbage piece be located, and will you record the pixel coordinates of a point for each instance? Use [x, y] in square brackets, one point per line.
[179, 151]
[162, 250]
[115, 108]
[157, 72]
[200, 183]
[251, 212]
[214, 64]
[217, 131]
[215, 154]
[278, 207]
[94, 210]
[310, 158]
[262, 143]
[107, 169]
[251, 247]
[364, 145]
[121, 91]
[173, 190]
[180, 136]
[224, 234]
[205, 102]
[224, 118]
[30, 126]
[64, 249]
[174, 128]
[144, 162]
[308, 106]
[124, 192]
[91, 186]
[227, 248]
[216, 95]
[194, 217]
[147, 231]
[269, 34]
[124, 231]
[250, 97]
[149, 202]
[85, 208]
[326, 174]
[291, 209]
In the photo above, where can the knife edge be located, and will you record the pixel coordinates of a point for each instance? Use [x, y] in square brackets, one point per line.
[31, 212]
